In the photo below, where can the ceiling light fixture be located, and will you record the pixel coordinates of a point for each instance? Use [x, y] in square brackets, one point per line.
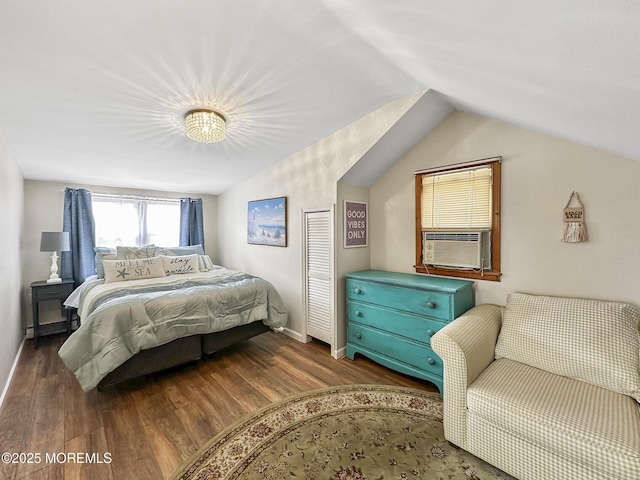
[205, 126]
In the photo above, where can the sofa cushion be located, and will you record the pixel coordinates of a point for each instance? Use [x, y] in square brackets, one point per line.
[570, 418]
[589, 340]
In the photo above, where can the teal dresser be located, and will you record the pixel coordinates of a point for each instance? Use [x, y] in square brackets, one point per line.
[391, 318]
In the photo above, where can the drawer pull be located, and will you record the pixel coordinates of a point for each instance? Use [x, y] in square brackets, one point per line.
[431, 333]
[431, 304]
[358, 313]
[431, 361]
[358, 335]
[357, 291]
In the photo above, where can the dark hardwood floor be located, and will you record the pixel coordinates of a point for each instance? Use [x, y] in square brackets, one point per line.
[147, 428]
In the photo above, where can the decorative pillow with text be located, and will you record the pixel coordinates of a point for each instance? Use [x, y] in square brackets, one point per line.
[178, 264]
[121, 270]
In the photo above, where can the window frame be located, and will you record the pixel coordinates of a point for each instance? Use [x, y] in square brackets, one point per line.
[494, 273]
[133, 200]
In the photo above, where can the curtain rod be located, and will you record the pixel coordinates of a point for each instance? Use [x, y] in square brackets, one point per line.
[459, 165]
[133, 197]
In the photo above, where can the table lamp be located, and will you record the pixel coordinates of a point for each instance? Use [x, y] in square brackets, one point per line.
[54, 242]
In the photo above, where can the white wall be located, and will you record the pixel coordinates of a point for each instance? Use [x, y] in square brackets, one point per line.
[347, 259]
[309, 180]
[43, 207]
[11, 215]
[539, 172]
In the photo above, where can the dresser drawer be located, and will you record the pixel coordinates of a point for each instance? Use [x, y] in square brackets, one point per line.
[421, 302]
[417, 328]
[53, 291]
[411, 353]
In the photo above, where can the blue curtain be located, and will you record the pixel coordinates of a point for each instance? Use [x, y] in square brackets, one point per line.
[79, 262]
[191, 224]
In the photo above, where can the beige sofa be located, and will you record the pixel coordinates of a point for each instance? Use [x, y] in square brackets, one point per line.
[546, 387]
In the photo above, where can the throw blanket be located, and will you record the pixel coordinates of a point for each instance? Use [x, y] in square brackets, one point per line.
[120, 319]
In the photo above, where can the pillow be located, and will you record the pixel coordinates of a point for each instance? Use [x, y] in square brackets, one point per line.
[590, 340]
[120, 270]
[178, 251]
[180, 264]
[205, 263]
[101, 254]
[132, 253]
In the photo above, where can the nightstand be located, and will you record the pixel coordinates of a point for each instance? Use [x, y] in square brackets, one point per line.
[42, 291]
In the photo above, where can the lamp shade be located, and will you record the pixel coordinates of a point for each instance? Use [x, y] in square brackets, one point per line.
[54, 242]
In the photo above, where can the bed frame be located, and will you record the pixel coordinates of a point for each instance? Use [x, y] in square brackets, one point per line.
[180, 351]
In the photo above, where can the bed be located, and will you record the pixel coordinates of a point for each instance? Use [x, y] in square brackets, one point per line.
[134, 327]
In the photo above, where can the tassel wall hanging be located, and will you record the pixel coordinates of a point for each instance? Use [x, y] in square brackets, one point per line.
[575, 230]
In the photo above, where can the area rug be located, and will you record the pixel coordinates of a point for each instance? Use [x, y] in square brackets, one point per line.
[356, 432]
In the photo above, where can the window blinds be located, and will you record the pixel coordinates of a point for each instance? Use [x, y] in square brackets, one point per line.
[459, 200]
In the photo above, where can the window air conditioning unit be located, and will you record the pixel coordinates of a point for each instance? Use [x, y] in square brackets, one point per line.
[462, 250]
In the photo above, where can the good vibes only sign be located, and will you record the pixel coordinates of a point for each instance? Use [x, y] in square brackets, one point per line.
[356, 222]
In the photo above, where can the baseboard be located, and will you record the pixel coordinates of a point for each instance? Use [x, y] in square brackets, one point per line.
[293, 334]
[339, 353]
[11, 373]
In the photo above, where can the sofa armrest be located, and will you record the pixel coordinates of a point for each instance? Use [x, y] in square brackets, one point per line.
[467, 347]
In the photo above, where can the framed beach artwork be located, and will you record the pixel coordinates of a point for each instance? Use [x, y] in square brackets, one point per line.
[267, 222]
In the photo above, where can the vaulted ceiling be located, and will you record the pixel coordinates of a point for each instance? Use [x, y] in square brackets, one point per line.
[96, 92]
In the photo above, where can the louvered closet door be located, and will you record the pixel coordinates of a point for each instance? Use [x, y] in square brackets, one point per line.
[319, 273]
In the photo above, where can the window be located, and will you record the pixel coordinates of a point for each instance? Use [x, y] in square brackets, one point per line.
[458, 220]
[136, 221]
